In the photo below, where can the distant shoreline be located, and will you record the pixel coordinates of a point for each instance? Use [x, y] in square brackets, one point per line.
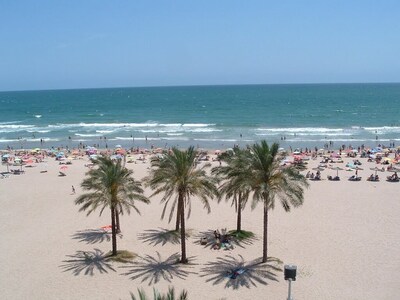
[148, 147]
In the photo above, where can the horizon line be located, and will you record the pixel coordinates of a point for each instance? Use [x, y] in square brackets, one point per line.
[192, 85]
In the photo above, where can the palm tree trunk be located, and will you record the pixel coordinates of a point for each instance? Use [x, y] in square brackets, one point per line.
[113, 232]
[239, 215]
[265, 235]
[178, 216]
[117, 221]
[183, 240]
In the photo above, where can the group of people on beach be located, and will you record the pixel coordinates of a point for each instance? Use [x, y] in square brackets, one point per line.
[221, 241]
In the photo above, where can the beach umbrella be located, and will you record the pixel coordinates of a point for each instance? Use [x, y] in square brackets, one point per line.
[387, 159]
[376, 169]
[118, 146]
[318, 169]
[357, 168]
[120, 151]
[63, 168]
[337, 170]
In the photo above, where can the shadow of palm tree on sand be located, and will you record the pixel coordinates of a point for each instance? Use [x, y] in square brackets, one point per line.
[162, 236]
[209, 237]
[87, 262]
[93, 236]
[235, 272]
[153, 269]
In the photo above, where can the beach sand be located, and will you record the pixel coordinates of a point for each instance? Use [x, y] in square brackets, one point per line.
[345, 241]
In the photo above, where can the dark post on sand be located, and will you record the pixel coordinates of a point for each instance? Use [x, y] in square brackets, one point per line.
[290, 275]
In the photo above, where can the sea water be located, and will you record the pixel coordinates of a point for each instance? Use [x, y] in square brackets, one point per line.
[301, 115]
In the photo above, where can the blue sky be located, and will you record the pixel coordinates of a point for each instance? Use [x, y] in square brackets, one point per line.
[77, 44]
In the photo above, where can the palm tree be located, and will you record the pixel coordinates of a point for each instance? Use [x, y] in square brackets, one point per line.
[176, 176]
[270, 181]
[235, 175]
[170, 295]
[111, 186]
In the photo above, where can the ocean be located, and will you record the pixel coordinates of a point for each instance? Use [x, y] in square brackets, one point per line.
[298, 115]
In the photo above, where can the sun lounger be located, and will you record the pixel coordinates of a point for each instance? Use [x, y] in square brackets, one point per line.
[392, 179]
[373, 178]
[355, 178]
[17, 172]
[61, 174]
[4, 175]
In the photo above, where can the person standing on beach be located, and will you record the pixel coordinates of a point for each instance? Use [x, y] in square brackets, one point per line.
[73, 190]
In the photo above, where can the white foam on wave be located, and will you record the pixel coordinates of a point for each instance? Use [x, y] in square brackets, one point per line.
[267, 134]
[118, 138]
[62, 126]
[114, 125]
[108, 128]
[301, 129]
[175, 134]
[197, 125]
[105, 131]
[38, 116]
[176, 138]
[46, 139]
[121, 125]
[383, 129]
[149, 131]
[171, 125]
[121, 138]
[216, 140]
[325, 134]
[88, 134]
[10, 122]
[13, 126]
[179, 130]
[344, 140]
[204, 130]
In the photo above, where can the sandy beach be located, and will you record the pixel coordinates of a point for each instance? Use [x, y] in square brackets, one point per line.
[344, 241]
